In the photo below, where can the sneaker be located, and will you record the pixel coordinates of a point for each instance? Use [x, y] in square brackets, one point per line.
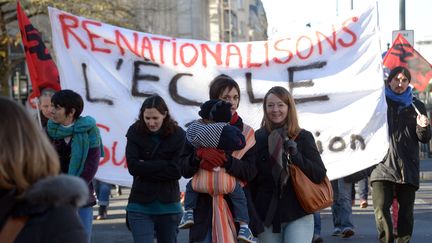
[337, 232]
[245, 235]
[187, 220]
[363, 203]
[317, 239]
[101, 217]
[347, 233]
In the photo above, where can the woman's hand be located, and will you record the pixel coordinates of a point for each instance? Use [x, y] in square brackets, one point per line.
[290, 146]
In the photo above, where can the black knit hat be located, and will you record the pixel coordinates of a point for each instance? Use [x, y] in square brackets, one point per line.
[216, 110]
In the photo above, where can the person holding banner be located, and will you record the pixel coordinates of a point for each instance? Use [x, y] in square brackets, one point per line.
[342, 207]
[103, 192]
[398, 174]
[37, 205]
[239, 164]
[78, 143]
[154, 144]
[275, 200]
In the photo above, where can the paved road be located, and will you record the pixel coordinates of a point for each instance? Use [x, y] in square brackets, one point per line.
[113, 229]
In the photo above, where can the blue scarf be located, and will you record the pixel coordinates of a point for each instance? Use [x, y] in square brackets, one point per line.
[85, 135]
[405, 99]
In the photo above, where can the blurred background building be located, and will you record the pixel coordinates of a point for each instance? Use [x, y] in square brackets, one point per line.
[212, 20]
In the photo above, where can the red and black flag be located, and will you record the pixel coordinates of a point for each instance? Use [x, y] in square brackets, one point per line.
[403, 54]
[43, 71]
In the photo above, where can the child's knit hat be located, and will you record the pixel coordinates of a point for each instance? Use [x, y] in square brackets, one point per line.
[216, 110]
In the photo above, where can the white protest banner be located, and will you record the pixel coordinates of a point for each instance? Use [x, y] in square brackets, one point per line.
[334, 73]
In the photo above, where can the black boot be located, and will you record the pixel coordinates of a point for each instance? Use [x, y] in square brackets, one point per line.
[102, 214]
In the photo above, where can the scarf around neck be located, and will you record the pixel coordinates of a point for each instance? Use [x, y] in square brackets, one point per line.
[237, 121]
[275, 148]
[85, 135]
[405, 99]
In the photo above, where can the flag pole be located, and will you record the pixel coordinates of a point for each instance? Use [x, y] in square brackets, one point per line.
[36, 101]
[415, 108]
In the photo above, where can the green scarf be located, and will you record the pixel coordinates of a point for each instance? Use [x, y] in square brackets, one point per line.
[85, 135]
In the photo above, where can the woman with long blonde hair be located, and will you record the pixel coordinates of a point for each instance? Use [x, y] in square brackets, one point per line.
[273, 194]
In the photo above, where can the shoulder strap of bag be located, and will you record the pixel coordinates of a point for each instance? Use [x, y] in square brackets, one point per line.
[12, 228]
[295, 136]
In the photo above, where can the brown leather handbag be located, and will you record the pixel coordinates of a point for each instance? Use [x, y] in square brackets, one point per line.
[311, 196]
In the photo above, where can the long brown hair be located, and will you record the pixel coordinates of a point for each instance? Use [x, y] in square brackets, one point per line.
[26, 155]
[291, 121]
[155, 101]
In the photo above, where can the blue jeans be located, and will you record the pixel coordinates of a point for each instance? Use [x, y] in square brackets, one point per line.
[145, 227]
[363, 188]
[341, 208]
[103, 191]
[317, 223]
[297, 231]
[238, 200]
[86, 216]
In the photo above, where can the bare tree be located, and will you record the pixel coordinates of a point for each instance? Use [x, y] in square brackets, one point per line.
[116, 12]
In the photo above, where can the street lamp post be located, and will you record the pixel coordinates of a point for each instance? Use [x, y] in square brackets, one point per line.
[401, 14]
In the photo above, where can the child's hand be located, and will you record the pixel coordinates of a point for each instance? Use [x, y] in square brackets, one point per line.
[206, 166]
[211, 157]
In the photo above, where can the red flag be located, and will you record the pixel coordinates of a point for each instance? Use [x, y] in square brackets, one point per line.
[403, 54]
[42, 69]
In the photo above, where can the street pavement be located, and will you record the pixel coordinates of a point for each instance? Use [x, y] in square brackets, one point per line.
[113, 229]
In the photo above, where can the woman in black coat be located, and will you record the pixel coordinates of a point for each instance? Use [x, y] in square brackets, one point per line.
[273, 194]
[41, 205]
[154, 143]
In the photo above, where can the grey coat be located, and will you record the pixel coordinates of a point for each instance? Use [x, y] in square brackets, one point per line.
[51, 207]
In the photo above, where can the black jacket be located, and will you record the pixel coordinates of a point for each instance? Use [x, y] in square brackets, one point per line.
[91, 165]
[154, 166]
[263, 187]
[402, 162]
[51, 205]
[243, 169]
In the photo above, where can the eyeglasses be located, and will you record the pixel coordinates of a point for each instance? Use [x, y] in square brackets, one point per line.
[230, 98]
